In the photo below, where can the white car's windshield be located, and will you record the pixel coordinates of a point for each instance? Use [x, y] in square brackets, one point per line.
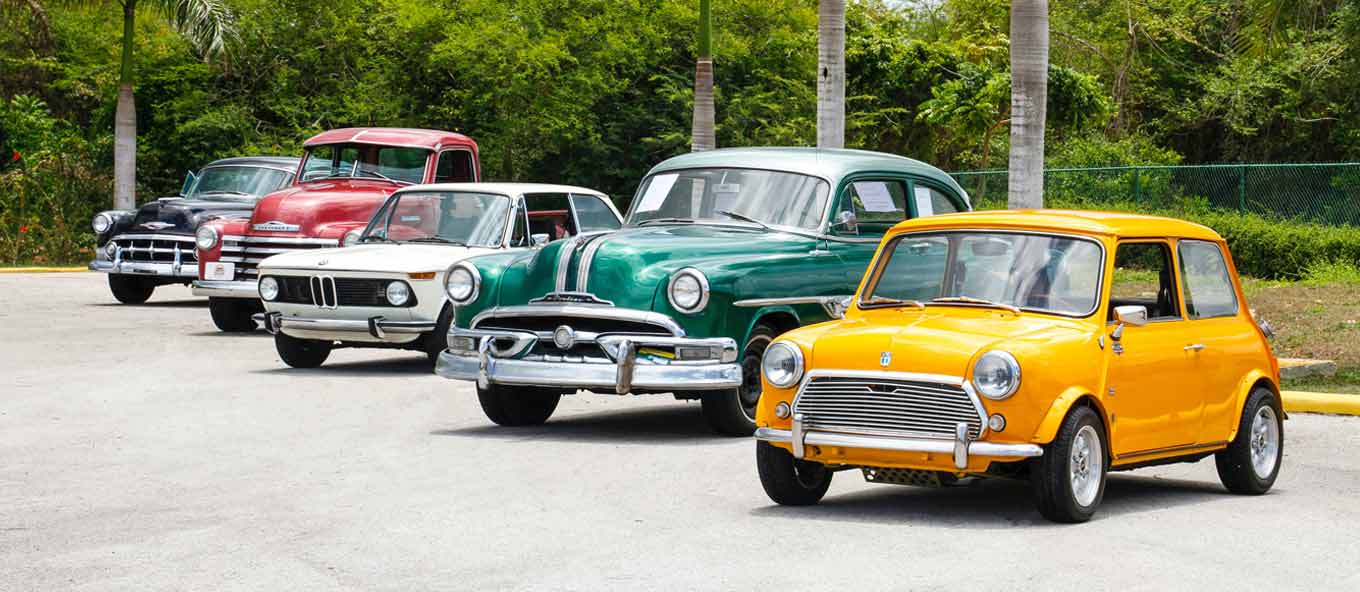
[228, 182]
[441, 217]
[368, 161]
[1038, 272]
[730, 195]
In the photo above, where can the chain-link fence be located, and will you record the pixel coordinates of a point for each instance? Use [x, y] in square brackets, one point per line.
[1327, 193]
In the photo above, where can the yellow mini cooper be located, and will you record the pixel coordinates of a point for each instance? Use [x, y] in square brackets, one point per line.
[1049, 345]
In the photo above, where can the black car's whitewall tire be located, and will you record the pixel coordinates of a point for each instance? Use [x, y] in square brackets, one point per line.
[732, 412]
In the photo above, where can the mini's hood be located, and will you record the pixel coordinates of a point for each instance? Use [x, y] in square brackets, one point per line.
[381, 257]
[182, 216]
[939, 340]
[312, 205]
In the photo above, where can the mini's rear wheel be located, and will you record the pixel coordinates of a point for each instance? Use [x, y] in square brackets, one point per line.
[517, 405]
[1069, 479]
[1250, 464]
[790, 481]
[233, 314]
[130, 289]
[301, 353]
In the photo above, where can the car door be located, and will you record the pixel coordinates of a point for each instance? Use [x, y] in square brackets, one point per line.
[1217, 331]
[875, 203]
[1153, 406]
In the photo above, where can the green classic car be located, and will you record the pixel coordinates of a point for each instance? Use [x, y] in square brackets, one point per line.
[722, 251]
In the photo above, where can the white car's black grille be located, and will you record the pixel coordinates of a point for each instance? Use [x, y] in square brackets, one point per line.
[887, 406]
[331, 292]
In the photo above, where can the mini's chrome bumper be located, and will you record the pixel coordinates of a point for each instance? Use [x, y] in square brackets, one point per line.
[226, 289]
[622, 373]
[177, 270]
[376, 327]
[959, 446]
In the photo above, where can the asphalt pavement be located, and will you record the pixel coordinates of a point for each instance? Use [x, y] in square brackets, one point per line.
[140, 449]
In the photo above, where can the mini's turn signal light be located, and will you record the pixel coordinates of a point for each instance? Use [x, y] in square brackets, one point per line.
[781, 410]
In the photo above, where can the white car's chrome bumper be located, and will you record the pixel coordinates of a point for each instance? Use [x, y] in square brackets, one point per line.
[376, 327]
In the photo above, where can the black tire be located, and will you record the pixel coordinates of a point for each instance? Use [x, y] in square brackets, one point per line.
[438, 341]
[790, 481]
[1054, 485]
[732, 412]
[130, 289]
[232, 315]
[301, 353]
[1236, 468]
[513, 406]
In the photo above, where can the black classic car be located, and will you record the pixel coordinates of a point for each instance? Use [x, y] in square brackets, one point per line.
[154, 244]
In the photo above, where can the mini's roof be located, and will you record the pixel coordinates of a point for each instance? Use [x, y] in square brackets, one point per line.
[1117, 224]
[391, 136]
[502, 188]
[823, 162]
[289, 163]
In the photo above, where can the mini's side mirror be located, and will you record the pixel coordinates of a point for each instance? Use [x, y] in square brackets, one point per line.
[1128, 315]
[538, 240]
[847, 220]
[189, 179]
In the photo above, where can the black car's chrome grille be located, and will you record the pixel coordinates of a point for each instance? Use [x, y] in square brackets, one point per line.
[887, 406]
[546, 324]
[248, 251]
[156, 248]
[330, 292]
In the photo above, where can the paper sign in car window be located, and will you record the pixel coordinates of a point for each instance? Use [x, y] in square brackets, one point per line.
[875, 196]
[725, 196]
[924, 205]
[657, 191]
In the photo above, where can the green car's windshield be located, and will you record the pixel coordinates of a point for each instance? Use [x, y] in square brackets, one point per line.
[236, 182]
[1011, 270]
[731, 195]
[366, 161]
[441, 217]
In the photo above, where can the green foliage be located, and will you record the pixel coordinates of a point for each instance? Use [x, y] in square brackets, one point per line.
[1320, 273]
[1282, 249]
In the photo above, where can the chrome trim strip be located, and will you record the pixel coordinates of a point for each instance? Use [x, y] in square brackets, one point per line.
[564, 260]
[595, 376]
[226, 289]
[179, 238]
[593, 311]
[280, 239]
[283, 323]
[759, 302]
[934, 446]
[587, 257]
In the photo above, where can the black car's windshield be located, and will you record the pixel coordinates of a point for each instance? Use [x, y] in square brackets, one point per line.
[441, 217]
[994, 269]
[365, 161]
[237, 182]
[731, 195]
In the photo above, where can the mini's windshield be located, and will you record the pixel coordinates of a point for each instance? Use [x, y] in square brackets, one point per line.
[227, 182]
[401, 165]
[444, 217]
[975, 268]
[747, 196]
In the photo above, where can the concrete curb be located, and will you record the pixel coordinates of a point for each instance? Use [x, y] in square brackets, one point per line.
[42, 269]
[1304, 402]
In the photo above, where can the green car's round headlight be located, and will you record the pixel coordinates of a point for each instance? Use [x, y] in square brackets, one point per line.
[688, 290]
[462, 283]
[782, 364]
[996, 375]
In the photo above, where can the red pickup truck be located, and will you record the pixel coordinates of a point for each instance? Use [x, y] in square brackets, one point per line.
[345, 174]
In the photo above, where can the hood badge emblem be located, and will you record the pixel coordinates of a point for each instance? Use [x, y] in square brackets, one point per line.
[156, 225]
[884, 359]
[323, 262]
[276, 226]
[564, 337]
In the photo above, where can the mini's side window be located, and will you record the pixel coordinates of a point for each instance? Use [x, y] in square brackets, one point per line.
[876, 204]
[592, 214]
[1144, 276]
[454, 166]
[930, 201]
[1205, 280]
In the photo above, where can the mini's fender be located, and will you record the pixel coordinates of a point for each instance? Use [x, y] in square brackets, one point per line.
[1244, 390]
[1048, 428]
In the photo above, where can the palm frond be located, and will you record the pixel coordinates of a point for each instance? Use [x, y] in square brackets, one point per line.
[207, 24]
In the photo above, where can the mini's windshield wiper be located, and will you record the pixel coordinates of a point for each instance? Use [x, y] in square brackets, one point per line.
[979, 301]
[742, 217]
[663, 220]
[437, 239]
[883, 301]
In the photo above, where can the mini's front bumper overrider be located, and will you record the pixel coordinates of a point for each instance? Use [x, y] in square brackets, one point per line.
[226, 288]
[375, 327]
[506, 357]
[960, 447]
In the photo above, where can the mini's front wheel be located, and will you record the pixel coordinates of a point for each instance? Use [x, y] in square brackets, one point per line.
[517, 405]
[301, 353]
[790, 481]
[1069, 479]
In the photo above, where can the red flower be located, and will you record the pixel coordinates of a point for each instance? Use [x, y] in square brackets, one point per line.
[23, 229]
[14, 157]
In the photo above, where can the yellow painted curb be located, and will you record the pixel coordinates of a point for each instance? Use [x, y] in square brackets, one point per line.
[1303, 402]
[41, 269]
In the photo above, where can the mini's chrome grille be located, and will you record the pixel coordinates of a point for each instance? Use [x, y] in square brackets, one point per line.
[887, 406]
[248, 251]
[158, 248]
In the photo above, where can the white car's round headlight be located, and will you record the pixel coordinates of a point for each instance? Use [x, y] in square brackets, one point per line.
[782, 364]
[206, 237]
[398, 293]
[351, 238]
[996, 375]
[269, 288]
[688, 290]
[102, 222]
[461, 284]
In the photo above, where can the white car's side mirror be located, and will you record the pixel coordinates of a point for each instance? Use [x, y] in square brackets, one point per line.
[538, 240]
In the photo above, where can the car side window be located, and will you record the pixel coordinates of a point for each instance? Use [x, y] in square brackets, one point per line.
[592, 214]
[930, 201]
[1205, 280]
[454, 166]
[550, 214]
[876, 204]
[1144, 276]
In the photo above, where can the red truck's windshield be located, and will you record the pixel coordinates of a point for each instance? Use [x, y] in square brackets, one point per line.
[402, 165]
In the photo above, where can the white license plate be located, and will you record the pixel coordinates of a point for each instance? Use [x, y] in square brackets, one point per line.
[219, 271]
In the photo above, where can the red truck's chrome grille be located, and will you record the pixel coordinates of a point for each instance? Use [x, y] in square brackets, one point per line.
[156, 248]
[248, 251]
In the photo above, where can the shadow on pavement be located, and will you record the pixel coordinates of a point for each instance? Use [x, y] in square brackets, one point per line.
[197, 303]
[678, 424]
[992, 502]
[395, 366]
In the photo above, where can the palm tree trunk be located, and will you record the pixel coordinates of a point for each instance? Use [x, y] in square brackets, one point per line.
[1029, 102]
[125, 121]
[704, 134]
[831, 74]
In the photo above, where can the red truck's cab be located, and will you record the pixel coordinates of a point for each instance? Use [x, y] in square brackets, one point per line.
[345, 174]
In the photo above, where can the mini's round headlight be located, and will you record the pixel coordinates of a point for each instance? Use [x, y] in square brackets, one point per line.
[351, 238]
[996, 375]
[688, 290]
[461, 284]
[398, 293]
[205, 237]
[102, 222]
[782, 364]
[269, 288]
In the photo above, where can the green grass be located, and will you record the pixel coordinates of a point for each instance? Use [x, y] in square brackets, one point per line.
[1347, 380]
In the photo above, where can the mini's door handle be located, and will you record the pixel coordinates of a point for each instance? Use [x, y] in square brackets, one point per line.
[1194, 347]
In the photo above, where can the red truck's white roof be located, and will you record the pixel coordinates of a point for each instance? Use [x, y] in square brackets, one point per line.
[391, 136]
